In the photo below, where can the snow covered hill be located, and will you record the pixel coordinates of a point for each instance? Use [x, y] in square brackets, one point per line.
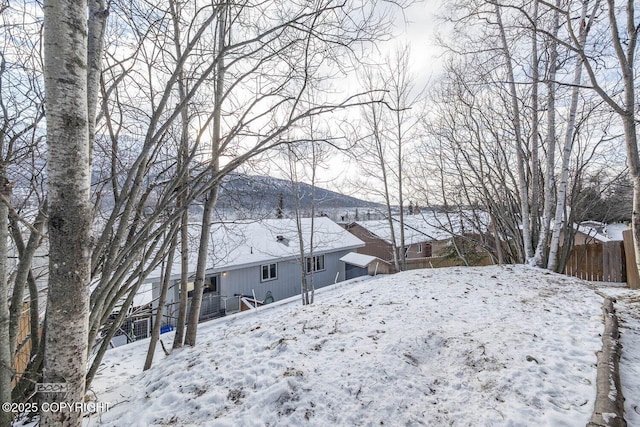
[465, 346]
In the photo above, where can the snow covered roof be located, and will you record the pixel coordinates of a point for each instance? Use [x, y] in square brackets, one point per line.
[239, 244]
[602, 232]
[428, 226]
[359, 260]
[381, 229]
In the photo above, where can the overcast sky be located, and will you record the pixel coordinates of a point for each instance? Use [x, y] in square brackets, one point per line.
[417, 27]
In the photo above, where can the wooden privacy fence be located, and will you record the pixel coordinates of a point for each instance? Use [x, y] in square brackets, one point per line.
[440, 262]
[23, 343]
[604, 262]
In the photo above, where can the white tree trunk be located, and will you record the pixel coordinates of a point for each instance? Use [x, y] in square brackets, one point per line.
[626, 56]
[403, 252]
[535, 180]
[561, 197]
[314, 166]
[387, 198]
[95, 43]
[69, 176]
[184, 196]
[162, 299]
[6, 356]
[523, 188]
[380, 161]
[303, 160]
[302, 253]
[181, 322]
[212, 196]
[551, 146]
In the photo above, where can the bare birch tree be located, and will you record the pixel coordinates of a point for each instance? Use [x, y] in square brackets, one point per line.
[617, 41]
[372, 160]
[391, 124]
[68, 68]
[141, 192]
[183, 160]
[568, 137]
[279, 64]
[515, 117]
[517, 96]
[6, 356]
[224, 14]
[549, 177]
[21, 210]
[307, 268]
[467, 124]
[304, 159]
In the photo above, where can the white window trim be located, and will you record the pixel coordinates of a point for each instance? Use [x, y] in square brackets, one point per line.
[313, 264]
[262, 279]
[419, 248]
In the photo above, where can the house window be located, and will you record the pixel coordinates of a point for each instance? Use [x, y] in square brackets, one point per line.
[315, 263]
[210, 285]
[419, 248]
[269, 272]
[428, 249]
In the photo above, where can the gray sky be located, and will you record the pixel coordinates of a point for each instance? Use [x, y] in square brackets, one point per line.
[417, 27]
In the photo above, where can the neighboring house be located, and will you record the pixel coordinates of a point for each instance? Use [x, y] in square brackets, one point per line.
[588, 232]
[378, 242]
[260, 260]
[427, 235]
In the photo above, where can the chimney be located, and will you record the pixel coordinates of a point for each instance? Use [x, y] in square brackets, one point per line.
[283, 240]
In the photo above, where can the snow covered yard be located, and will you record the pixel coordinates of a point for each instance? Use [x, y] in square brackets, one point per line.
[458, 346]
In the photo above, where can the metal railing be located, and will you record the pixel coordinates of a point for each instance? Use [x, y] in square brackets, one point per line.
[212, 306]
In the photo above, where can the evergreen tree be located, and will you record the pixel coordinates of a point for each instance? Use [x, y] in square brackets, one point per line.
[280, 207]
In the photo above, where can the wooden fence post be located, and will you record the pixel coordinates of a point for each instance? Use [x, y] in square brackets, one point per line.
[633, 279]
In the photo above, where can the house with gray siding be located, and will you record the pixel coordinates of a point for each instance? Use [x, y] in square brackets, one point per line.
[261, 260]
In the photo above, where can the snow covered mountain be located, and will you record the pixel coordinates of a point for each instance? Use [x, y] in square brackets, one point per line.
[263, 193]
